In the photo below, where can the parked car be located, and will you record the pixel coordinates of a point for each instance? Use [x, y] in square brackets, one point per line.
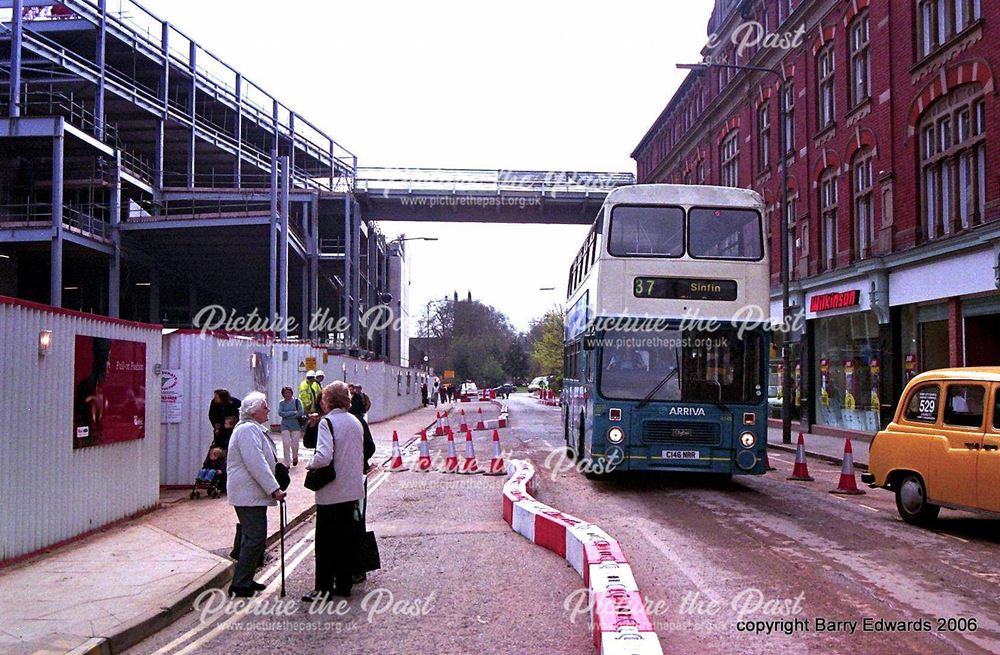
[540, 382]
[506, 389]
[469, 389]
[943, 447]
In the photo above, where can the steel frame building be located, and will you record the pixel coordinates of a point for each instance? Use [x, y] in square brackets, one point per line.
[150, 179]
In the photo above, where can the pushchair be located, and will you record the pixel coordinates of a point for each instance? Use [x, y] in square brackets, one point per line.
[212, 476]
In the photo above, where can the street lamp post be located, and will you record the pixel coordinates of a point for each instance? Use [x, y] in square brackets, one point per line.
[786, 353]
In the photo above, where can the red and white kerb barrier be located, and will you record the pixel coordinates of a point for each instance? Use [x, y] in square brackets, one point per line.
[617, 612]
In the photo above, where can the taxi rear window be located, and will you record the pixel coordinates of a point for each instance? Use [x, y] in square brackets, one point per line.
[922, 406]
[965, 404]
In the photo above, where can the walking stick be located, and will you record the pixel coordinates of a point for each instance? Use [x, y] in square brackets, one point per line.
[281, 520]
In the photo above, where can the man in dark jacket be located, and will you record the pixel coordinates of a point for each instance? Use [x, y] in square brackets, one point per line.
[223, 414]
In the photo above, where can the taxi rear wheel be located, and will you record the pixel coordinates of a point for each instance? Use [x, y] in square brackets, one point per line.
[911, 501]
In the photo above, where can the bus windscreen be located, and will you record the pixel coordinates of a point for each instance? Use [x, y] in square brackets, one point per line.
[725, 234]
[638, 231]
[713, 367]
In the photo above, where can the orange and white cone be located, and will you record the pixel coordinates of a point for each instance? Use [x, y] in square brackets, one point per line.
[480, 425]
[397, 465]
[424, 461]
[848, 483]
[469, 465]
[800, 472]
[463, 426]
[438, 425]
[447, 422]
[451, 461]
[496, 464]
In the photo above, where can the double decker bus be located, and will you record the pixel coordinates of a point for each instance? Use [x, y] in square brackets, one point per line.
[667, 334]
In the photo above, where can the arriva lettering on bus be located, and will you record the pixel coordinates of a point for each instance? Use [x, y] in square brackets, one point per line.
[687, 411]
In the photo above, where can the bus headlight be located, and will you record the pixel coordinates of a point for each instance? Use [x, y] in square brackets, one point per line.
[748, 439]
[616, 435]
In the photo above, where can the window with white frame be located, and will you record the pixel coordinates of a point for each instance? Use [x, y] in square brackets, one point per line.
[860, 89]
[862, 183]
[825, 70]
[953, 162]
[940, 20]
[729, 156]
[828, 218]
[763, 137]
[789, 125]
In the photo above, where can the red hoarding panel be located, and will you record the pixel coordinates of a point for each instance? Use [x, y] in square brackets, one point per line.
[109, 391]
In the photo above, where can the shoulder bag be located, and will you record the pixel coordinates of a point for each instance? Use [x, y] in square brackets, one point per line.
[316, 479]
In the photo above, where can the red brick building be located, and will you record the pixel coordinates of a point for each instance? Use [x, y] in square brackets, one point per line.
[893, 193]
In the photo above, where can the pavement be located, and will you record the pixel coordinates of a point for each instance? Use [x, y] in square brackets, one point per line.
[822, 447]
[112, 589]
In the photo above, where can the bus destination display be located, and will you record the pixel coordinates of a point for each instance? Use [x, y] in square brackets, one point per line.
[675, 288]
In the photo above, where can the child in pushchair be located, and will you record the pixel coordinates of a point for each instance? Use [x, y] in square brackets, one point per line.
[212, 476]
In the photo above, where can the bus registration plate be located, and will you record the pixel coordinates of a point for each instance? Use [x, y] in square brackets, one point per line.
[681, 454]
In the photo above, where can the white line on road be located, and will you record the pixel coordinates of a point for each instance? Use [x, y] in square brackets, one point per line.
[951, 536]
[647, 529]
[870, 509]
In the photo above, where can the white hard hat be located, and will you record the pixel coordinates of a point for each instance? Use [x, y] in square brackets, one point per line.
[310, 374]
[320, 374]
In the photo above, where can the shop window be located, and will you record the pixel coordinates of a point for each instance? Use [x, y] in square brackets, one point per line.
[922, 406]
[964, 407]
[848, 372]
[953, 163]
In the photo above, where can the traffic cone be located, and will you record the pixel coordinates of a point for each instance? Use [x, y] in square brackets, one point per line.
[463, 426]
[848, 484]
[480, 425]
[469, 466]
[438, 425]
[767, 462]
[496, 464]
[447, 422]
[451, 461]
[424, 461]
[800, 472]
[397, 465]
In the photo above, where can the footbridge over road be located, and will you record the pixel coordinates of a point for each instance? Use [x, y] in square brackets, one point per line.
[484, 196]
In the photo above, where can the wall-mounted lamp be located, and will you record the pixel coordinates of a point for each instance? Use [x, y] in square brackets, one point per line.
[44, 342]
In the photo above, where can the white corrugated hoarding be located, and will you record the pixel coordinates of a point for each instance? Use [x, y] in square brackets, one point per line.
[240, 364]
[52, 492]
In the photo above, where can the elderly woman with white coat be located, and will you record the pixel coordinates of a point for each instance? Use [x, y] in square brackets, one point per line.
[251, 488]
[339, 444]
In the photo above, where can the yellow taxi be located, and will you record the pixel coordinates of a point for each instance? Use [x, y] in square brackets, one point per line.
[943, 448]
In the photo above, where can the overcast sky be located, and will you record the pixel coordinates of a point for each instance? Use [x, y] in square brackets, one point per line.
[552, 85]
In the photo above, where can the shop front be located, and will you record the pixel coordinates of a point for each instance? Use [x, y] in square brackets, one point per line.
[848, 357]
[947, 311]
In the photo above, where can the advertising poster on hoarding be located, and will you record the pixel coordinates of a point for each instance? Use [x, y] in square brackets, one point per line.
[109, 397]
[171, 396]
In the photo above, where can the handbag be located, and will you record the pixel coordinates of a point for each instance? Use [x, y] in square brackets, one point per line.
[282, 476]
[367, 552]
[303, 419]
[316, 479]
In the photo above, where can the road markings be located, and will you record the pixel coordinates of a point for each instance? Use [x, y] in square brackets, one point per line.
[951, 536]
[870, 509]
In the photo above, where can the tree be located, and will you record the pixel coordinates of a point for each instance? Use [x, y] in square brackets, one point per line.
[468, 337]
[547, 349]
[516, 361]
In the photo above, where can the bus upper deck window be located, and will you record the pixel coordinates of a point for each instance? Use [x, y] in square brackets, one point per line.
[638, 231]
